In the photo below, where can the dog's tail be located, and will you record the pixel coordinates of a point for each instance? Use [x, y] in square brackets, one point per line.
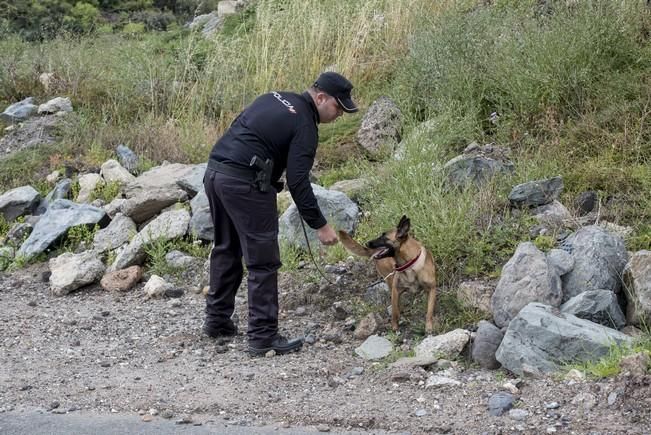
[352, 246]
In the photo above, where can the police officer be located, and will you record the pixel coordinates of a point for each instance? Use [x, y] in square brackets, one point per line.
[278, 132]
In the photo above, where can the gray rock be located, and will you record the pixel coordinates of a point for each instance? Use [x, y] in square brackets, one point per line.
[338, 209]
[164, 177]
[127, 158]
[560, 260]
[536, 193]
[201, 223]
[192, 183]
[179, 260]
[374, 348]
[19, 111]
[117, 233]
[18, 233]
[540, 336]
[112, 170]
[586, 202]
[598, 306]
[60, 216]
[637, 276]
[73, 271]
[477, 165]
[87, 184]
[599, 261]
[526, 277]
[146, 204]
[499, 403]
[448, 345]
[167, 226]
[58, 104]
[552, 215]
[62, 190]
[352, 188]
[486, 342]
[18, 202]
[380, 128]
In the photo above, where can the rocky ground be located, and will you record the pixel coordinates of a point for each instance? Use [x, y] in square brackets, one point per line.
[123, 353]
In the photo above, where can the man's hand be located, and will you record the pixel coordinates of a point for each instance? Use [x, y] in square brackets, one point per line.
[327, 235]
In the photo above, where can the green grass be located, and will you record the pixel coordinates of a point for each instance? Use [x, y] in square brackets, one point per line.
[609, 365]
[106, 191]
[4, 227]
[81, 234]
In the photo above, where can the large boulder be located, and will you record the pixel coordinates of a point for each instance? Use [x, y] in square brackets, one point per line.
[599, 260]
[73, 271]
[145, 204]
[19, 111]
[18, 202]
[380, 128]
[529, 276]
[164, 177]
[637, 276]
[340, 211]
[167, 226]
[61, 215]
[55, 105]
[192, 182]
[598, 306]
[112, 170]
[486, 342]
[540, 337]
[117, 233]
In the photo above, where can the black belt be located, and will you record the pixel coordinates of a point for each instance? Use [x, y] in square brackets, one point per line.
[233, 171]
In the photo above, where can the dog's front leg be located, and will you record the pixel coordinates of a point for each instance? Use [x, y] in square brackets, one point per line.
[395, 302]
[431, 301]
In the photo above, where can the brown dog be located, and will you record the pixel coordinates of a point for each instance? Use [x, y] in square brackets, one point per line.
[403, 262]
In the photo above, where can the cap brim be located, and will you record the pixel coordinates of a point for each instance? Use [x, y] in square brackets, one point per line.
[347, 105]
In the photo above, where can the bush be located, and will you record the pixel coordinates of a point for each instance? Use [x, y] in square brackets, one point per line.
[508, 61]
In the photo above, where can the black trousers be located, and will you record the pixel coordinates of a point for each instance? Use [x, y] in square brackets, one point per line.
[246, 225]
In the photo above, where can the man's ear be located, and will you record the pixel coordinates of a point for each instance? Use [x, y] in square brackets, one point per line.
[321, 97]
[403, 227]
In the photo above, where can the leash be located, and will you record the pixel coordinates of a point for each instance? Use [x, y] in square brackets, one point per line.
[309, 249]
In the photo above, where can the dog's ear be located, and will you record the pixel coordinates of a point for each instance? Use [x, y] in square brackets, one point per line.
[403, 227]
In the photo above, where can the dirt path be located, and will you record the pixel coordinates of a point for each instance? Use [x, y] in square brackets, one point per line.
[102, 352]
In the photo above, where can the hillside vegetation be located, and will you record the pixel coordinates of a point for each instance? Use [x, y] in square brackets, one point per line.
[567, 84]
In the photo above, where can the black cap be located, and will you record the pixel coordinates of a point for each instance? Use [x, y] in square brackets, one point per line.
[339, 87]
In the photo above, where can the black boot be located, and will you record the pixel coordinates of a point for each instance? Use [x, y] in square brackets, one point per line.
[223, 331]
[279, 344]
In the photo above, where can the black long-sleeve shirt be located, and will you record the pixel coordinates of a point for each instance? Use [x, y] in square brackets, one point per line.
[281, 126]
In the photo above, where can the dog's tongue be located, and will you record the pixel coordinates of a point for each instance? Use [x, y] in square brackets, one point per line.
[380, 252]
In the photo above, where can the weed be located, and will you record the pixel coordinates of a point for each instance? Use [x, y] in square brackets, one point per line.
[156, 262]
[609, 365]
[4, 227]
[544, 243]
[80, 235]
[106, 191]
[290, 257]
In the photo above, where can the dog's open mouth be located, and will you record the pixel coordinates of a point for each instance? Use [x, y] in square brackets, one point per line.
[380, 253]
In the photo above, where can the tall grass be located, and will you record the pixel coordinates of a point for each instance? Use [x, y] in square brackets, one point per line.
[540, 72]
